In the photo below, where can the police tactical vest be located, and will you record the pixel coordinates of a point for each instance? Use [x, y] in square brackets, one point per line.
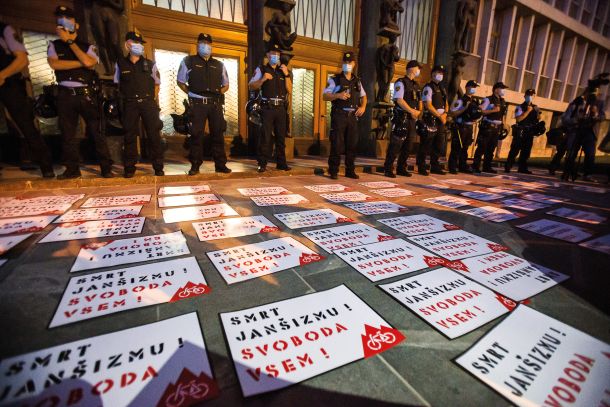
[439, 96]
[135, 80]
[411, 94]
[496, 101]
[352, 86]
[6, 58]
[531, 118]
[205, 77]
[64, 53]
[276, 87]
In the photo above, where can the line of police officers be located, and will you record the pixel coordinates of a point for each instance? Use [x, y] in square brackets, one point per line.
[424, 112]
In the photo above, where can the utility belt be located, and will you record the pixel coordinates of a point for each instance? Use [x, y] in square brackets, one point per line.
[204, 100]
[486, 124]
[77, 91]
[273, 102]
[463, 124]
[138, 99]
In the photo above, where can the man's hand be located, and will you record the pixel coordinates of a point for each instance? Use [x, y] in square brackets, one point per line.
[267, 76]
[342, 95]
[360, 111]
[284, 69]
[443, 118]
[416, 113]
[64, 35]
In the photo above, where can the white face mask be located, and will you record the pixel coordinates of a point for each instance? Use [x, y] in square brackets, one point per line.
[347, 68]
[136, 49]
[501, 92]
[203, 49]
[274, 59]
[417, 73]
[67, 24]
[438, 77]
[529, 99]
[472, 91]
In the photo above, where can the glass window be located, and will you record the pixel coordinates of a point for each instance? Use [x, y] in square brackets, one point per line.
[170, 95]
[303, 83]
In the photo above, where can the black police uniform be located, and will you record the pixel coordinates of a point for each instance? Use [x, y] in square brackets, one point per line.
[489, 132]
[523, 139]
[432, 143]
[205, 79]
[344, 124]
[461, 138]
[14, 97]
[75, 102]
[403, 129]
[274, 108]
[137, 88]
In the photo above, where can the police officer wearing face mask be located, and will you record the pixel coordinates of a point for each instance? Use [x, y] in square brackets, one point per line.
[138, 80]
[13, 95]
[407, 109]
[275, 84]
[462, 129]
[494, 116]
[348, 99]
[527, 116]
[74, 62]
[434, 98]
[205, 80]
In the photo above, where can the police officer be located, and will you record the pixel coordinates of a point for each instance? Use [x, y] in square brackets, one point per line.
[138, 80]
[348, 99]
[407, 109]
[13, 95]
[73, 62]
[434, 98]
[494, 121]
[582, 115]
[275, 84]
[462, 129]
[527, 115]
[205, 80]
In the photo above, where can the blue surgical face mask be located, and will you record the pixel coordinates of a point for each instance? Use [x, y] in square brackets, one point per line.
[67, 24]
[274, 59]
[472, 91]
[204, 50]
[529, 99]
[438, 77]
[347, 68]
[136, 49]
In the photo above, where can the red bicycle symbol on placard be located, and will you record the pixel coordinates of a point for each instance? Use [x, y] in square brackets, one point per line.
[193, 390]
[188, 291]
[377, 339]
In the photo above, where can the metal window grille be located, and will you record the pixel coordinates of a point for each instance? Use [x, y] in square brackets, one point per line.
[227, 10]
[302, 102]
[326, 20]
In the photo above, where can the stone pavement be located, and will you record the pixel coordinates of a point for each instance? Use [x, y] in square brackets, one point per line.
[419, 371]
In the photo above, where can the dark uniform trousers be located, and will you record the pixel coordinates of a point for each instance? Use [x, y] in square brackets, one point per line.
[148, 110]
[461, 139]
[487, 142]
[69, 107]
[400, 145]
[431, 144]
[561, 150]
[274, 123]
[521, 145]
[212, 113]
[343, 140]
[586, 139]
[14, 97]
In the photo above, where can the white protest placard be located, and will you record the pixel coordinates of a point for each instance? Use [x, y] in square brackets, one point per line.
[530, 185]
[327, 188]
[601, 244]
[448, 201]
[418, 224]
[587, 188]
[184, 200]
[115, 212]
[249, 261]
[509, 275]
[108, 292]
[451, 303]
[263, 191]
[377, 261]
[343, 237]
[492, 214]
[183, 189]
[286, 342]
[545, 199]
[2, 261]
[505, 190]
[578, 215]
[124, 251]
[8, 242]
[315, 217]
[535, 360]
[189, 213]
[119, 200]
[93, 229]
[24, 225]
[48, 200]
[276, 200]
[164, 363]
[456, 244]
[523, 204]
[557, 230]
[33, 209]
[436, 186]
[378, 184]
[233, 227]
[457, 181]
[393, 192]
[354, 196]
[376, 208]
[482, 195]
